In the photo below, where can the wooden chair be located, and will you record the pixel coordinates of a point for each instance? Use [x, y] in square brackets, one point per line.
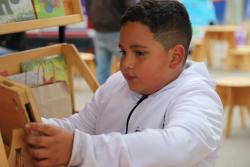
[196, 51]
[234, 91]
[89, 59]
[237, 57]
[240, 56]
[225, 32]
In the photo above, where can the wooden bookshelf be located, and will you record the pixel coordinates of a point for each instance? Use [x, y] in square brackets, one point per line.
[16, 98]
[12, 63]
[73, 14]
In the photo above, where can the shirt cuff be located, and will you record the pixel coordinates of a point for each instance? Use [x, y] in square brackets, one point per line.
[78, 149]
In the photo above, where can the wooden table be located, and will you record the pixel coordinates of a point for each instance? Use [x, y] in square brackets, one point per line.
[220, 33]
[234, 91]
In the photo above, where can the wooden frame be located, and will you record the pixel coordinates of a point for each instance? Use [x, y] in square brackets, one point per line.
[17, 107]
[73, 14]
[12, 62]
[17, 104]
[4, 160]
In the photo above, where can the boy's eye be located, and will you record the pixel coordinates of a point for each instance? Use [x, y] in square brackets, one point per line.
[140, 53]
[122, 52]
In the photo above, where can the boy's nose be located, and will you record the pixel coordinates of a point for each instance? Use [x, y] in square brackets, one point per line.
[127, 62]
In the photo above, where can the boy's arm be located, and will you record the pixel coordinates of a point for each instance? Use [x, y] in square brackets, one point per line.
[56, 146]
[193, 132]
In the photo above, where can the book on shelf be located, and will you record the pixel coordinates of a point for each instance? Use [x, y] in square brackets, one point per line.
[59, 62]
[4, 73]
[48, 8]
[16, 11]
[33, 78]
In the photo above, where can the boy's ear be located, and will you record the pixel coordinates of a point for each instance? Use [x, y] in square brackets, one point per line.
[178, 54]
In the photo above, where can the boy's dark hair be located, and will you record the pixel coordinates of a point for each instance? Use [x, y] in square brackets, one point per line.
[167, 19]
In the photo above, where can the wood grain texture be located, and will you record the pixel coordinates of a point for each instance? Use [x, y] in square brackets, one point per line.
[3, 161]
[17, 107]
[18, 151]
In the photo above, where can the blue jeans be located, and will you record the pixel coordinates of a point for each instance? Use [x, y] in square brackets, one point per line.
[106, 45]
[5, 51]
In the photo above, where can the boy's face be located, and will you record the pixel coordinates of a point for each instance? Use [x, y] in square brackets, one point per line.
[144, 64]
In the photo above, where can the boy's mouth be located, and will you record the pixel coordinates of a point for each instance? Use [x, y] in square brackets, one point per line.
[130, 77]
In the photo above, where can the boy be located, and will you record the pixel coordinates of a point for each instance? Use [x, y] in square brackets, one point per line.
[155, 112]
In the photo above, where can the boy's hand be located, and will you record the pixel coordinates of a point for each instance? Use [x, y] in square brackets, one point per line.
[56, 147]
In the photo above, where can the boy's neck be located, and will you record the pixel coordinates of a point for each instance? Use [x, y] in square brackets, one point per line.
[174, 77]
[177, 73]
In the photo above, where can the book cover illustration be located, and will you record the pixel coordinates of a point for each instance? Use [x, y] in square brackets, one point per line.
[59, 62]
[4, 73]
[48, 8]
[16, 10]
[31, 78]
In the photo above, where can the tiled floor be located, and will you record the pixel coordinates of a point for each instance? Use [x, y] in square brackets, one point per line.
[235, 150]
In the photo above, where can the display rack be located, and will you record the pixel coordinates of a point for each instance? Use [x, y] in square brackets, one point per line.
[17, 104]
[12, 62]
[73, 14]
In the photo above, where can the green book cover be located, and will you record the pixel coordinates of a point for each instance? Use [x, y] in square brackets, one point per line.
[59, 61]
[16, 10]
[48, 8]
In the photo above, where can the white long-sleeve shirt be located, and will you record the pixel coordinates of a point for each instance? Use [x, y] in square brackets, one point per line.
[189, 109]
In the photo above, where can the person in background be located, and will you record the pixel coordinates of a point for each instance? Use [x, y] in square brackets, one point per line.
[10, 43]
[104, 16]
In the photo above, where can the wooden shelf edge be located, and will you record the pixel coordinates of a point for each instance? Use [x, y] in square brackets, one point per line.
[39, 23]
